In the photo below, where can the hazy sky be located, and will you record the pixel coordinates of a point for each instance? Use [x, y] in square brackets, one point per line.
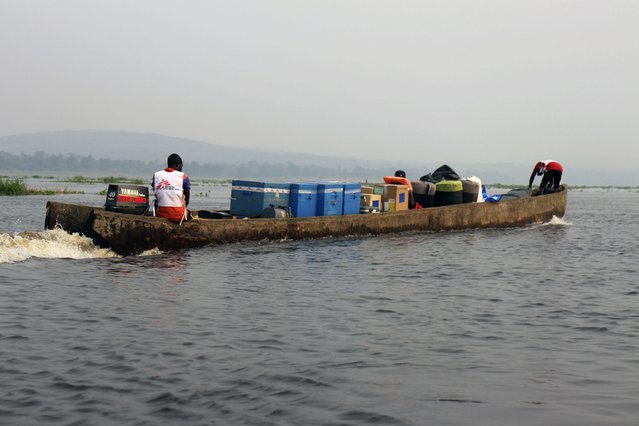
[450, 81]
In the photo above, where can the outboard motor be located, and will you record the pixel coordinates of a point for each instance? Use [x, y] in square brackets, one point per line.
[130, 199]
[272, 212]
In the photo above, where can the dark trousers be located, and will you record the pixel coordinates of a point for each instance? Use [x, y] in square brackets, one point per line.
[551, 179]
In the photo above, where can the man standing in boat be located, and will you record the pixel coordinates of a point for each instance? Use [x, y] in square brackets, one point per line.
[552, 172]
[172, 190]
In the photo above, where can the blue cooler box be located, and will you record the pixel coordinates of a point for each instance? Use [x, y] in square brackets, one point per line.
[249, 198]
[303, 199]
[330, 199]
[352, 193]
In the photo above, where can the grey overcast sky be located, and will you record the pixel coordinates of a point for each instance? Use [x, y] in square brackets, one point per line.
[452, 80]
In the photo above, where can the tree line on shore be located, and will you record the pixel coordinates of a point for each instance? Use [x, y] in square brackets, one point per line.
[72, 163]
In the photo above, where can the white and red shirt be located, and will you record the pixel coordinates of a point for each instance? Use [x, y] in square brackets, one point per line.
[169, 186]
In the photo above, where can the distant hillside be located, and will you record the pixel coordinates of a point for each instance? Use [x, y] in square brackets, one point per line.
[154, 147]
[67, 165]
[104, 153]
[152, 150]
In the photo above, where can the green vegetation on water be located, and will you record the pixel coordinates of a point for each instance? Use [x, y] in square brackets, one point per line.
[10, 186]
[220, 182]
[106, 179]
[135, 181]
[18, 186]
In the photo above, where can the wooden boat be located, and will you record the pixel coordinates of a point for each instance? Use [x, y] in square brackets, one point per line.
[128, 234]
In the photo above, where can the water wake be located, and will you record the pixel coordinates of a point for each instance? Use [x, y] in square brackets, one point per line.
[50, 244]
[557, 221]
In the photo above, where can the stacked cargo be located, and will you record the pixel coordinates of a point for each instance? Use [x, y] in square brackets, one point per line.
[303, 199]
[424, 193]
[395, 198]
[443, 187]
[352, 192]
[472, 190]
[448, 192]
[330, 199]
[370, 201]
[253, 198]
[250, 198]
[384, 197]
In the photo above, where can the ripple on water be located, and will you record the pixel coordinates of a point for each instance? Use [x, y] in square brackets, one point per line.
[479, 327]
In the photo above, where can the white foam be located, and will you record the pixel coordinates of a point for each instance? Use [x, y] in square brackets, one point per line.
[152, 252]
[50, 244]
[559, 222]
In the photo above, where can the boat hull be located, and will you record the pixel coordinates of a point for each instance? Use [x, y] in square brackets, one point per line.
[131, 234]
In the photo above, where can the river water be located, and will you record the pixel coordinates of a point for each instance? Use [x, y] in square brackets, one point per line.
[525, 326]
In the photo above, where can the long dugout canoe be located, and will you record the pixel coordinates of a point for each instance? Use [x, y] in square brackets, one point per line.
[128, 234]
